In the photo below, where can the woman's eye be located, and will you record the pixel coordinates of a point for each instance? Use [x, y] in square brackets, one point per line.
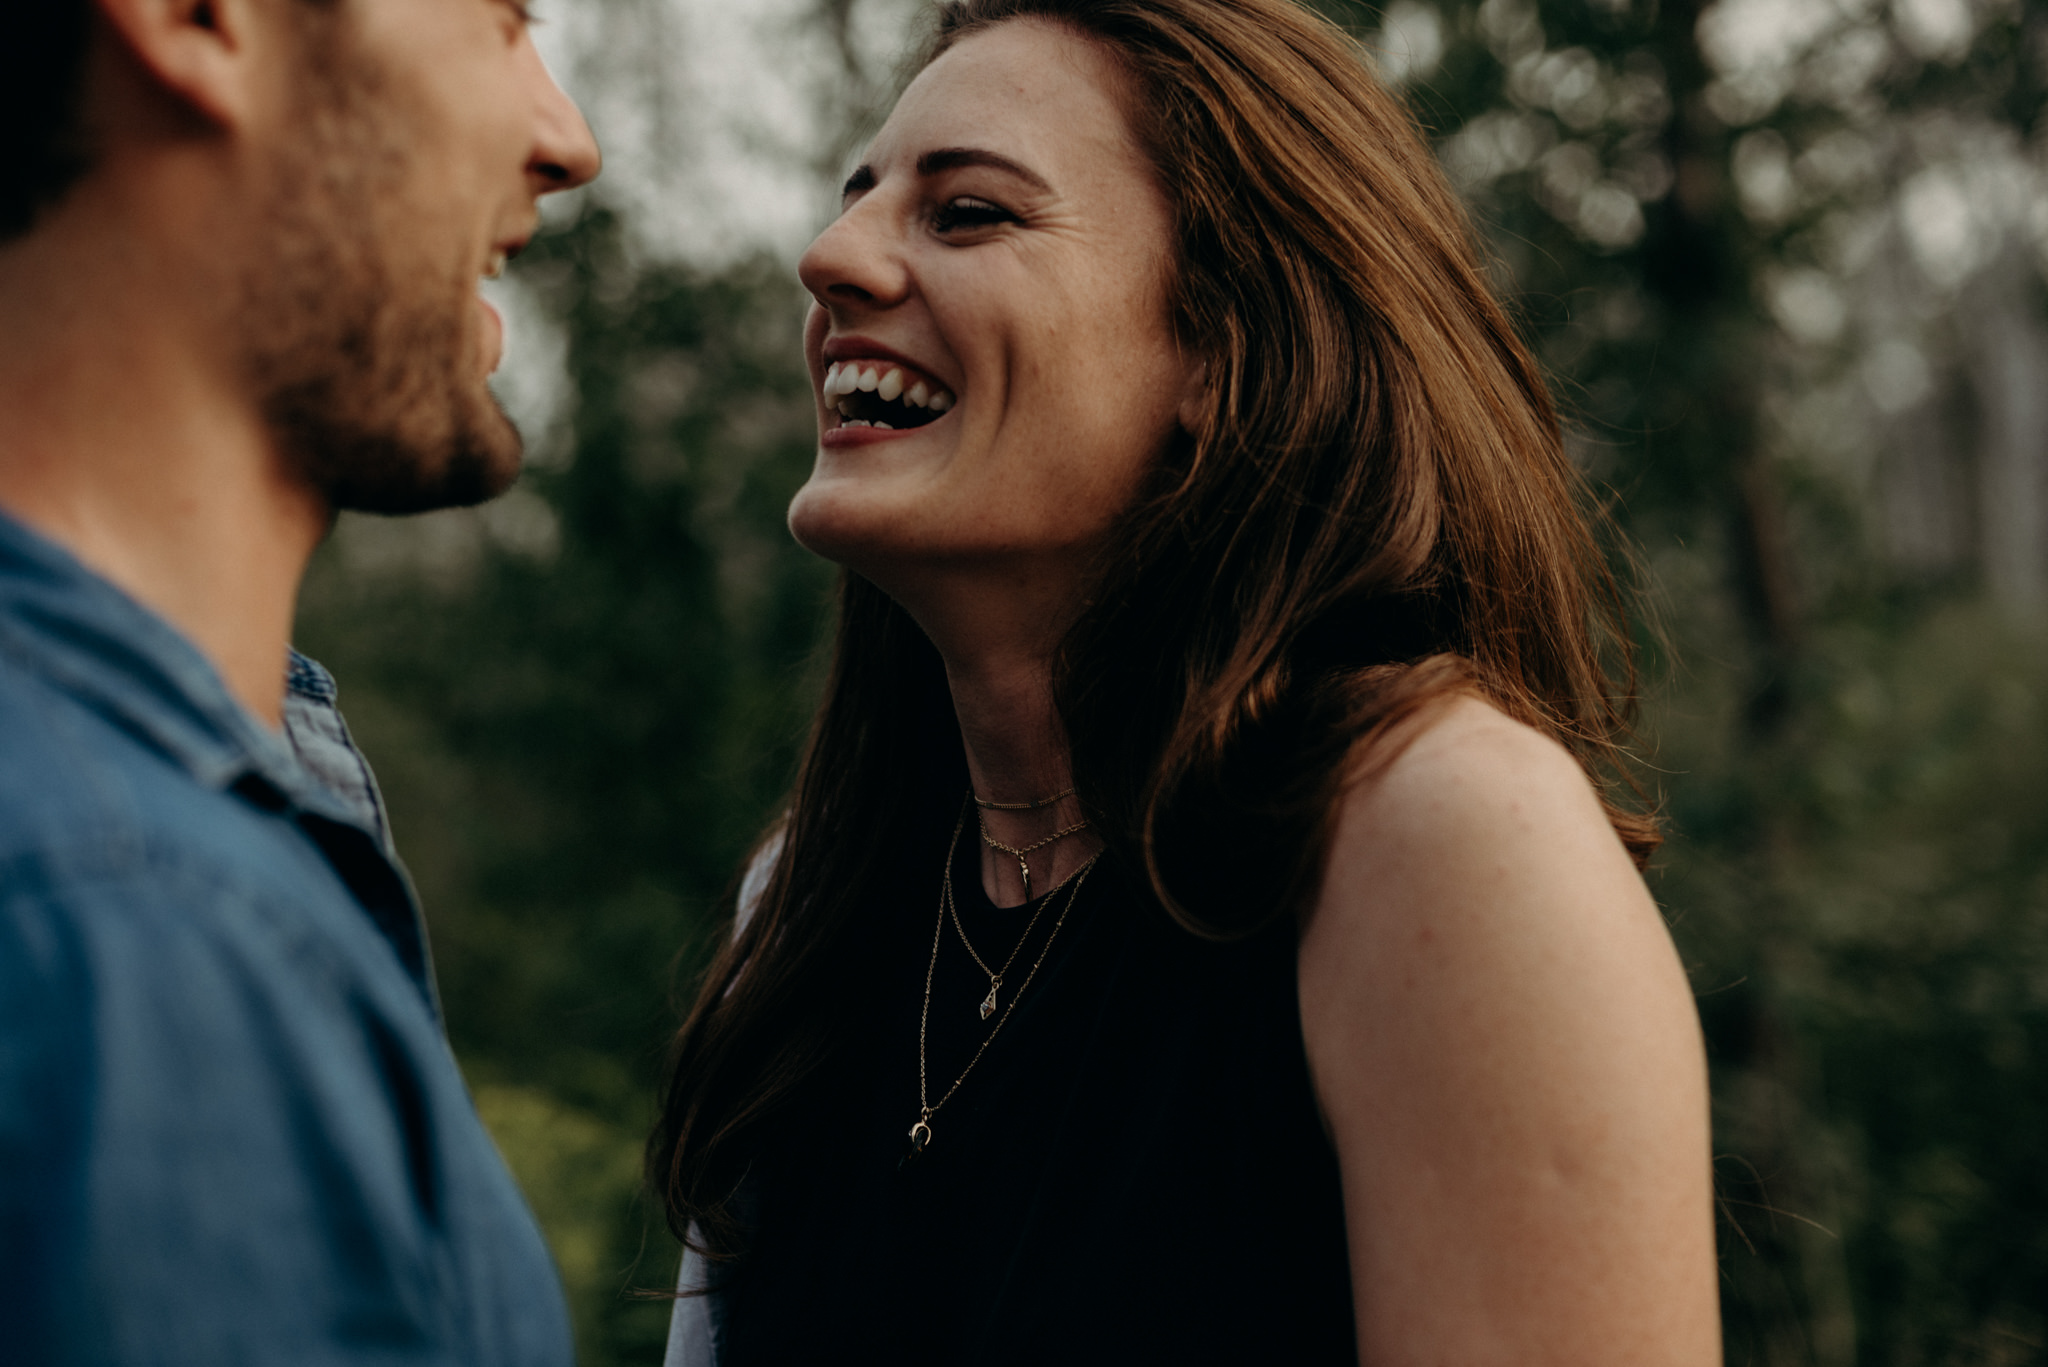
[960, 213]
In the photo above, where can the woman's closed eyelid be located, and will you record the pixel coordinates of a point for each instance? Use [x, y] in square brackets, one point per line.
[970, 211]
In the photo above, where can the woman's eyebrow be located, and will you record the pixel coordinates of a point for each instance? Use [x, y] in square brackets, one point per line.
[953, 158]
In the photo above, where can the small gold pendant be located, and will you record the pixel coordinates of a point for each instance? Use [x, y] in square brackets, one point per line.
[988, 1003]
[920, 1135]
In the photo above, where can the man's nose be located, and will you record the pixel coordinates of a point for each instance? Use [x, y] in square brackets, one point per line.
[565, 154]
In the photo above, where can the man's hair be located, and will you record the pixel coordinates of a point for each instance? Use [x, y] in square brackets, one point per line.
[42, 74]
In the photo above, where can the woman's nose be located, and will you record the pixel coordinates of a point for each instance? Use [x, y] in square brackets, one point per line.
[855, 262]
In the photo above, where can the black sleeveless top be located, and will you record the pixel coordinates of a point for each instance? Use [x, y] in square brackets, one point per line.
[1135, 1171]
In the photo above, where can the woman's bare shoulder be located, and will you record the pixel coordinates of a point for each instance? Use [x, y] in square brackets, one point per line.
[1468, 773]
[1505, 1047]
[1484, 843]
[1482, 847]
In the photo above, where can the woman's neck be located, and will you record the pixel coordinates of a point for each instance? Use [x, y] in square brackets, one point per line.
[1017, 754]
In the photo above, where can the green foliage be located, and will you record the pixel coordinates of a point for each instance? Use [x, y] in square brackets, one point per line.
[579, 1171]
[1862, 903]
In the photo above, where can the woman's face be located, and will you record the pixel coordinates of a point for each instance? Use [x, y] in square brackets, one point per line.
[991, 345]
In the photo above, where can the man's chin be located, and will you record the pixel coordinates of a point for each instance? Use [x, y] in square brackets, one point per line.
[462, 482]
[388, 475]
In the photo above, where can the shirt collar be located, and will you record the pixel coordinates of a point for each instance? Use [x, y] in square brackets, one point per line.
[62, 620]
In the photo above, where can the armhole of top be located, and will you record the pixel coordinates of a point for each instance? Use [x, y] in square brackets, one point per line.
[693, 1322]
[754, 882]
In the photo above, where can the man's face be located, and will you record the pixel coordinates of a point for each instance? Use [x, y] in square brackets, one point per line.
[419, 137]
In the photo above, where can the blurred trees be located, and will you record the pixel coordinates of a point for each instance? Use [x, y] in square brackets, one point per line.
[1784, 260]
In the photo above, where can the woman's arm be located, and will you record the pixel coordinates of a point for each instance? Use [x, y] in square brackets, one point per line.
[1507, 1053]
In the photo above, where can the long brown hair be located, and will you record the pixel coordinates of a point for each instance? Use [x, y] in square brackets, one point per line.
[1374, 513]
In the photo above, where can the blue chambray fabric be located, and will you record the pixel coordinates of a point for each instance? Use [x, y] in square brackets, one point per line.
[231, 1129]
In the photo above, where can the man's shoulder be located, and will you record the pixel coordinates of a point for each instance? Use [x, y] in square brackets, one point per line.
[73, 774]
[87, 799]
[210, 1063]
[68, 770]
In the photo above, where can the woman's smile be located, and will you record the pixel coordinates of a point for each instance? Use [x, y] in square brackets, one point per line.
[870, 394]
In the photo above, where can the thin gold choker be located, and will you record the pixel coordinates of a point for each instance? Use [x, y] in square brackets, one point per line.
[1041, 803]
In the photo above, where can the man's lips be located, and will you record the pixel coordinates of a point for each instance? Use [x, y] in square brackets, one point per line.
[505, 251]
[491, 338]
[491, 335]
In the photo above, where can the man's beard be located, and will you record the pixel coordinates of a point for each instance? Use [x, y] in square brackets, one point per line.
[362, 348]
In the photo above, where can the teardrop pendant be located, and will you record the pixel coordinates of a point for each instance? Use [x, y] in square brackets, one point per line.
[988, 1003]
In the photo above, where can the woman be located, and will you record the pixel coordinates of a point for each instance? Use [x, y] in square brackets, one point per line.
[1197, 933]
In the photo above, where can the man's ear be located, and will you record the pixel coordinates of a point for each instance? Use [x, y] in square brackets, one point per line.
[197, 52]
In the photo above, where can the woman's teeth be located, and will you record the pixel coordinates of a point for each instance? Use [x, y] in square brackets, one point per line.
[886, 382]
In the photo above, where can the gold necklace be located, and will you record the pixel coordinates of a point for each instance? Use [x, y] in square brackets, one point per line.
[995, 977]
[1042, 802]
[1019, 852]
[921, 1132]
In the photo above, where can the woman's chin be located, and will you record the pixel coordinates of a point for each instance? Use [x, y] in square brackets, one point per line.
[841, 523]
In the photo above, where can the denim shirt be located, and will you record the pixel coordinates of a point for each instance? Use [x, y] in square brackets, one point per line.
[231, 1128]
